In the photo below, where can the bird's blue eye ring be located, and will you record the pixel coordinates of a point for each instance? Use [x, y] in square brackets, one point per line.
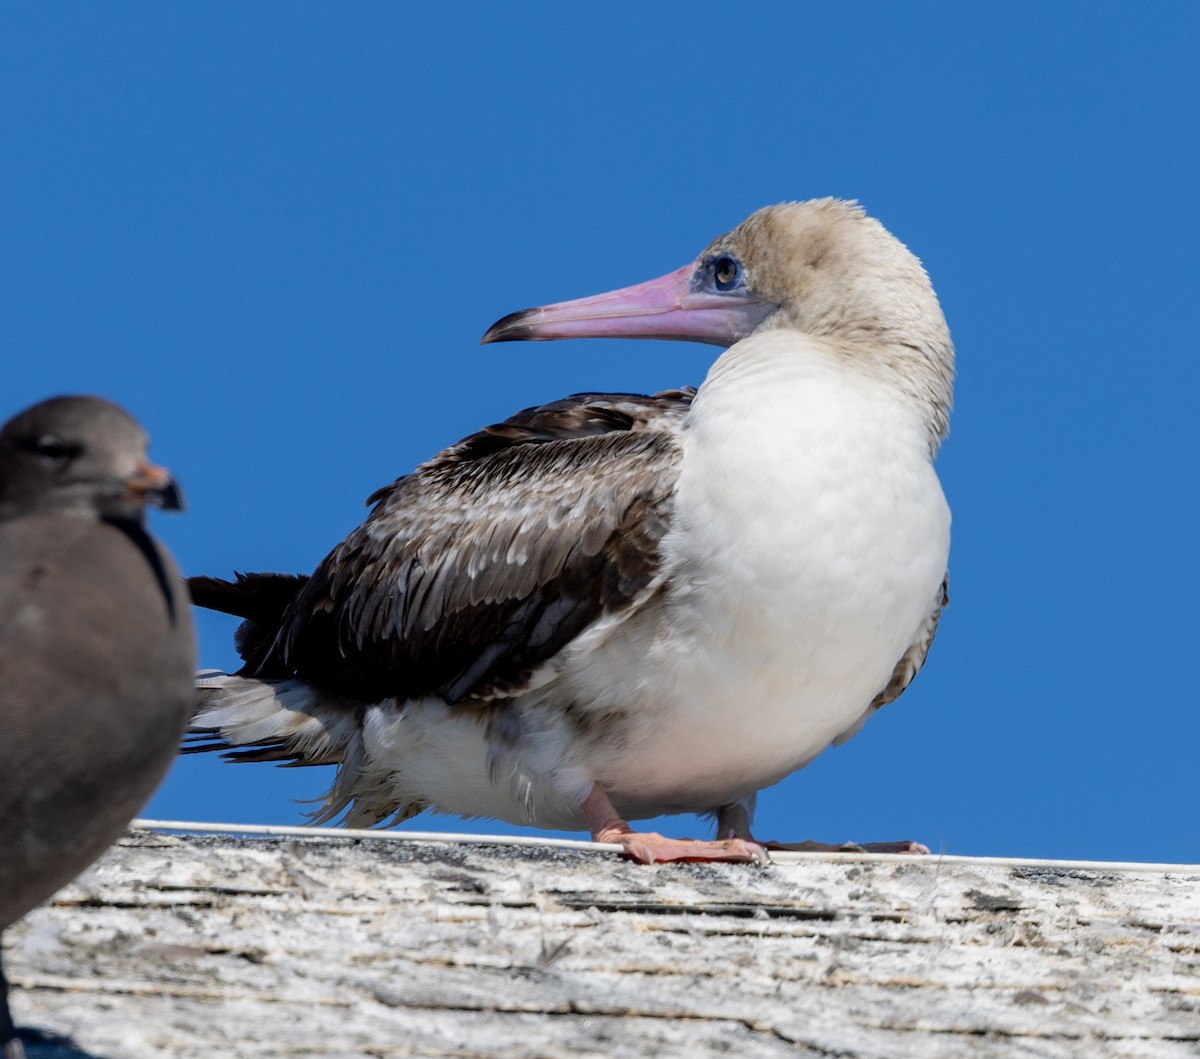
[727, 272]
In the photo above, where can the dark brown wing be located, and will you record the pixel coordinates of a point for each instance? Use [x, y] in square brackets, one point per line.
[480, 566]
[582, 415]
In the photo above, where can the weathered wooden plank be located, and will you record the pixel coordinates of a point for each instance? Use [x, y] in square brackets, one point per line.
[202, 946]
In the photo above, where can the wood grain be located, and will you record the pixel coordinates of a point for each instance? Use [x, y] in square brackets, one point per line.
[200, 946]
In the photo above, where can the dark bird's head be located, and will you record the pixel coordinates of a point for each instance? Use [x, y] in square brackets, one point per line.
[80, 456]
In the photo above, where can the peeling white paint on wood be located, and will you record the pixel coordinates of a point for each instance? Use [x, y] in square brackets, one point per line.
[332, 946]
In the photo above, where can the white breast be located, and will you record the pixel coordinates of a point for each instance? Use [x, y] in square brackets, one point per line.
[810, 540]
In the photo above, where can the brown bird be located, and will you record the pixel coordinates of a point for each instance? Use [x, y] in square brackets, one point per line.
[615, 606]
[97, 654]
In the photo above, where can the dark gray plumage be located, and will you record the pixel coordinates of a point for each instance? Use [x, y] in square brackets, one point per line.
[97, 652]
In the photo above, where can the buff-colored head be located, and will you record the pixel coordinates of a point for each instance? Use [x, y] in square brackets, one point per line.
[822, 268]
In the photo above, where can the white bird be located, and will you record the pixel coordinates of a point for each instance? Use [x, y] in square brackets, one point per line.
[614, 607]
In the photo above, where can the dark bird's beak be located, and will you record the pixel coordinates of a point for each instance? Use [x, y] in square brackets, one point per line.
[154, 485]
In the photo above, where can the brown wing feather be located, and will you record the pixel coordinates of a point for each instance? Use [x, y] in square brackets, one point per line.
[480, 566]
[914, 658]
[579, 416]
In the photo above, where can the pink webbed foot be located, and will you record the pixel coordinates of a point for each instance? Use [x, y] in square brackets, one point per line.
[606, 825]
[651, 848]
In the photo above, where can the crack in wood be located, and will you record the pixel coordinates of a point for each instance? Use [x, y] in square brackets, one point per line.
[736, 910]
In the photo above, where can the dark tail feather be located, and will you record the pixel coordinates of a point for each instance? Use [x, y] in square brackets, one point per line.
[258, 597]
[262, 600]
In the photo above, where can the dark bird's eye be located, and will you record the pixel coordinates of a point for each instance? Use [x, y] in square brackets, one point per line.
[53, 448]
[726, 271]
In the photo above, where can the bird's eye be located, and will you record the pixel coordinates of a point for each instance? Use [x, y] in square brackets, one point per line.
[53, 448]
[726, 272]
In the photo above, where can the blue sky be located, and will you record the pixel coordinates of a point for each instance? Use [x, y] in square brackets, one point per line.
[276, 232]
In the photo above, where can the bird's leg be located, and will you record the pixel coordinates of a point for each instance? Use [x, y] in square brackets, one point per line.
[12, 1047]
[606, 825]
[733, 822]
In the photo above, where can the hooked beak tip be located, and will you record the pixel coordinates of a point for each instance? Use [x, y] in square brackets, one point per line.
[155, 485]
[511, 328]
[170, 497]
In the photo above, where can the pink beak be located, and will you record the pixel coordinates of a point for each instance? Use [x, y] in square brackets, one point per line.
[672, 306]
